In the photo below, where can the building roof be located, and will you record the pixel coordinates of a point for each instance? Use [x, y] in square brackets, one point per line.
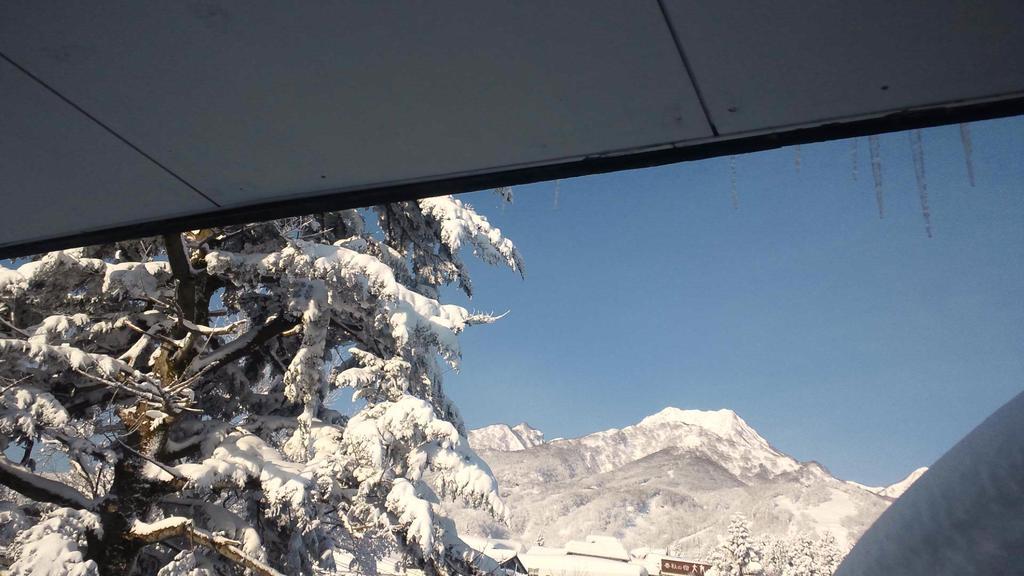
[598, 547]
[570, 565]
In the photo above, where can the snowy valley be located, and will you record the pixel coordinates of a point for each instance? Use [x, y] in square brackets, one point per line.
[672, 481]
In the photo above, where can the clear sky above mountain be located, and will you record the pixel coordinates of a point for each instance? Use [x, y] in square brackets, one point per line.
[841, 337]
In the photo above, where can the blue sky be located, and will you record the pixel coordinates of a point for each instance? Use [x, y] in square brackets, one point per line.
[843, 338]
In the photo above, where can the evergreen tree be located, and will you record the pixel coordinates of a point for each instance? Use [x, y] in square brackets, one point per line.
[801, 557]
[774, 555]
[187, 382]
[827, 555]
[737, 556]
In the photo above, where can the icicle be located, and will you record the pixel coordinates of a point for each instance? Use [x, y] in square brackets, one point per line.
[876, 170]
[796, 157]
[965, 140]
[853, 158]
[917, 149]
[557, 185]
[732, 177]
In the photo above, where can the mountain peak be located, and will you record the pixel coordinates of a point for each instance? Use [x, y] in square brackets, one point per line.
[505, 438]
[525, 428]
[720, 433]
[529, 435]
[723, 422]
[896, 490]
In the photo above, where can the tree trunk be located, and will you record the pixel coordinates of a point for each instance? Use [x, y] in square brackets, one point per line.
[130, 497]
[132, 494]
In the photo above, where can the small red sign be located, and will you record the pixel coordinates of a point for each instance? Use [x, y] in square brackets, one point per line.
[682, 567]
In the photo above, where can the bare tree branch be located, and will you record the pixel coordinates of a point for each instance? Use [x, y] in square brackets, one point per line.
[213, 330]
[17, 330]
[123, 387]
[153, 334]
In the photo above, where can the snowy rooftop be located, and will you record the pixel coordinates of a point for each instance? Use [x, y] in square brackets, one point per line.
[596, 556]
[127, 119]
[598, 547]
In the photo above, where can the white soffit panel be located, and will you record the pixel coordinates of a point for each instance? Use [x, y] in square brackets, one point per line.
[264, 100]
[768, 64]
[137, 118]
[62, 174]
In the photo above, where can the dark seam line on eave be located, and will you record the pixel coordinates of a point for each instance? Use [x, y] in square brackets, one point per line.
[338, 200]
[686, 66]
[109, 130]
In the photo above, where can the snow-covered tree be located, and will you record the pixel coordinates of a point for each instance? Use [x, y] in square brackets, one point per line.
[802, 555]
[187, 381]
[737, 555]
[774, 555]
[827, 555]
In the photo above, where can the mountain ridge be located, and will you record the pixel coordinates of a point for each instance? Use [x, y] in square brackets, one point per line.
[671, 479]
[502, 437]
[487, 438]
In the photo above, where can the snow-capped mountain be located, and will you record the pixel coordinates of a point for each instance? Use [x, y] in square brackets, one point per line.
[505, 438]
[721, 435]
[671, 480]
[895, 490]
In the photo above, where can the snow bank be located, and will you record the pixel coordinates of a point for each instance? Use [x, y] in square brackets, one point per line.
[964, 516]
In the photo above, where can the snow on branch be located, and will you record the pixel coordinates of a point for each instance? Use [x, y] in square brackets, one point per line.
[371, 437]
[303, 375]
[414, 515]
[355, 281]
[26, 410]
[375, 379]
[59, 327]
[179, 526]
[217, 519]
[255, 337]
[461, 473]
[241, 457]
[54, 545]
[461, 225]
[27, 356]
[63, 272]
[40, 488]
